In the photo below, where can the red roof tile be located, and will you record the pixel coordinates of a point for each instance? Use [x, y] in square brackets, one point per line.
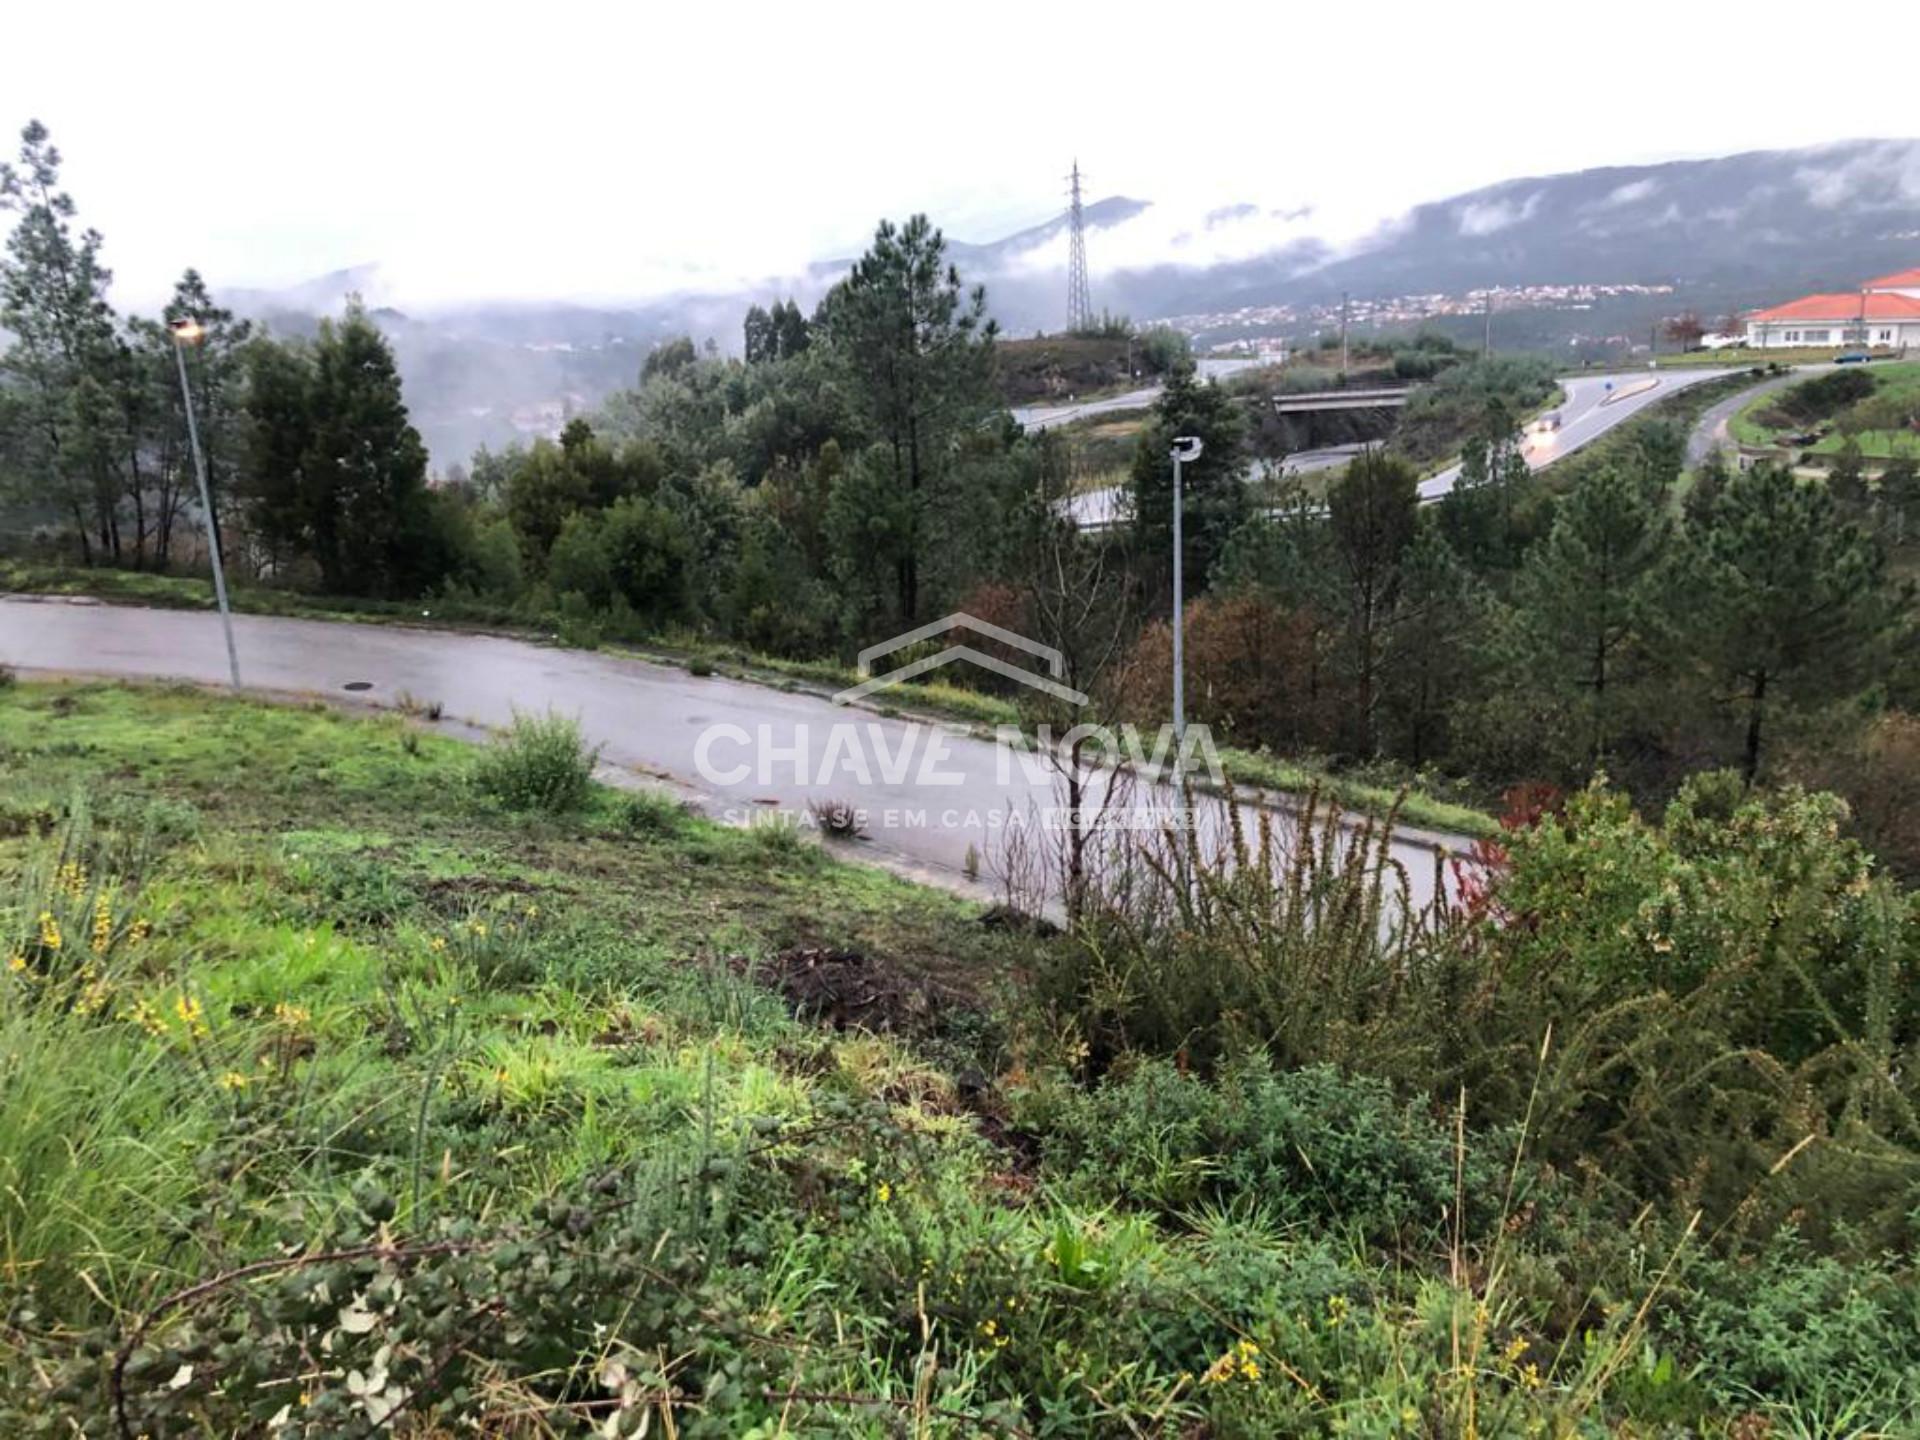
[1841, 308]
[1900, 280]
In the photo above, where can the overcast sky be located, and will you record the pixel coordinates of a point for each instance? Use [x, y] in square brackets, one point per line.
[561, 150]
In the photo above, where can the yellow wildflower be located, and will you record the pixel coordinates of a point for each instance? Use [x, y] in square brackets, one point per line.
[233, 1080]
[437, 944]
[139, 931]
[191, 1015]
[1238, 1361]
[102, 924]
[17, 961]
[883, 1192]
[49, 931]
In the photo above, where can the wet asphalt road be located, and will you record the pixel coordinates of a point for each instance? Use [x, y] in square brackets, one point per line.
[930, 795]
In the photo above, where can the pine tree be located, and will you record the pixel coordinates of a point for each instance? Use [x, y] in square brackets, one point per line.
[917, 352]
[274, 442]
[1478, 514]
[1215, 488]
[365, 470]
[1781, 601]
[162, 483]
[64, 363]
[1436, 647]
[1584, 593]
[1372, 511]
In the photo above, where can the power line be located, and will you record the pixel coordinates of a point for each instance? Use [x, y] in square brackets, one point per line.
[1079, 297]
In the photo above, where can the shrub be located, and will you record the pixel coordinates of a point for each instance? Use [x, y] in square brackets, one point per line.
[578, 625]
[778, 839]
[842, 819]
[1308, 1144]
[1819, 399]
[1809, 1334]
[650, 813]
[1296, 940]
[541, 763]
[1252, 674]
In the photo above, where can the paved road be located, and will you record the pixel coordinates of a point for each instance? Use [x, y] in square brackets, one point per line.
[1107, 506]
[1594, 405]
[928, 800]
[1043, 417]
[1711, 432]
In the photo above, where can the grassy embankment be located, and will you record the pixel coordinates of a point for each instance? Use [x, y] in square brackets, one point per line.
[328, 1083]
[1741, 355]
[1897, 387]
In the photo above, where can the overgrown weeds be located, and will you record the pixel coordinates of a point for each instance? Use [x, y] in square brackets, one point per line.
[541, 763]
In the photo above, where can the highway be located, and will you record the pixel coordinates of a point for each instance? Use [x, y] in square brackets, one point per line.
[957, 793]
[1045, 417]
[1594, 404]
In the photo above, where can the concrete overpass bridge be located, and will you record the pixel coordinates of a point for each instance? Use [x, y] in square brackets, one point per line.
[1390, 397]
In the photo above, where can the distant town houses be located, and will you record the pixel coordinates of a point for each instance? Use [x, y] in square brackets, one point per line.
[1884, 314]
[1380, 312]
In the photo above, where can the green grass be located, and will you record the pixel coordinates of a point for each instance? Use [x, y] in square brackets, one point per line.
[1248, 769]
[1741, 355]
[351, 866]
[344, 987]
[193, 592]
[1894, 380]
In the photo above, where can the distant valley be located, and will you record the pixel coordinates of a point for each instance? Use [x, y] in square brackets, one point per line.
[1582, 264]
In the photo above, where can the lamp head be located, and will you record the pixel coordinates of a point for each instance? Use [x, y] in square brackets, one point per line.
[188, 331]
[1186, 448]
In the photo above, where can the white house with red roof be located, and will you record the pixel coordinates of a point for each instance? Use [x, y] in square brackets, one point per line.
[1883, 315]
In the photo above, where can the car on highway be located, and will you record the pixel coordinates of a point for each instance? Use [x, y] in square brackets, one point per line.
[1548, 423]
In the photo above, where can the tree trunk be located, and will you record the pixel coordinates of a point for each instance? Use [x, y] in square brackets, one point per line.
[1756, 704]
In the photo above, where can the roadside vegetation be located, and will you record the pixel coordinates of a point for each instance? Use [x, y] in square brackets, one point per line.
[345, 1089]
[856, 474]
[1112, 359]
[1861, 411]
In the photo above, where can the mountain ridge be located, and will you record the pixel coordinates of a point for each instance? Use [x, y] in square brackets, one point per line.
[1713, 234]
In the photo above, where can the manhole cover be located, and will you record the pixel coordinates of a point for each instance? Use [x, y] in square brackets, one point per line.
[358, 685]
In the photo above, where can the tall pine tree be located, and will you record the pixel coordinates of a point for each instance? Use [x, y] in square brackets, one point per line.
[365, 470]
[1585, 596]
[1779, 600]
[917, 352]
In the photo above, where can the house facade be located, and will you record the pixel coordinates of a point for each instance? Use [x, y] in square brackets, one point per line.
[1884, 314]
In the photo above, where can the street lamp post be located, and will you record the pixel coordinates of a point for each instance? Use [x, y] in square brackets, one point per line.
[1186, 450]
[185, 333]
